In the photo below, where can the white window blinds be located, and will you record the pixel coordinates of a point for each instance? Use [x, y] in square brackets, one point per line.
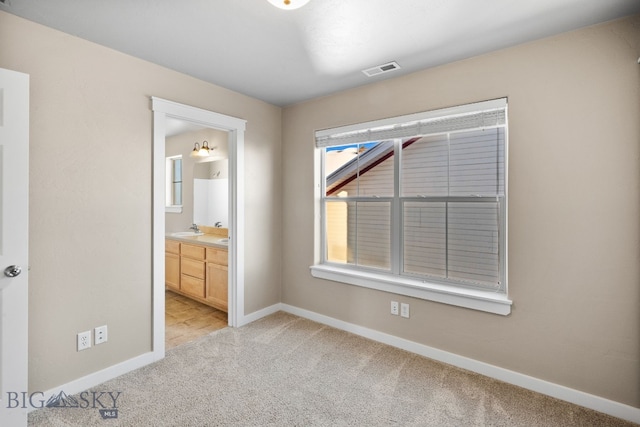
[420, 196]
[466, 117]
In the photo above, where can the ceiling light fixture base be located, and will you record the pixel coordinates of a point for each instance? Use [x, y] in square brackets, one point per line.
[288, 4]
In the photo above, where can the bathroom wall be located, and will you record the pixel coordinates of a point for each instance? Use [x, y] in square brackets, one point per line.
[90, 195]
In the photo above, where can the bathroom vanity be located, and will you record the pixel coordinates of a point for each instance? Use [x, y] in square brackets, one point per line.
[197, 267]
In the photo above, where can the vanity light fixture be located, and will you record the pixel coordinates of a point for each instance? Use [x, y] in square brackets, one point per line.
[202, 151]
[288, 4]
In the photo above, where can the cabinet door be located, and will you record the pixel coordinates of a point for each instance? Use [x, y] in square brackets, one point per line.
[217, 282]
[172, 271]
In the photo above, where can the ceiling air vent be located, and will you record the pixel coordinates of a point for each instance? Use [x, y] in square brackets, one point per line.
[381, 69]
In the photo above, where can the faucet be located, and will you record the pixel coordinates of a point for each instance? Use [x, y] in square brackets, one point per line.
[195, 228]
[218, 224]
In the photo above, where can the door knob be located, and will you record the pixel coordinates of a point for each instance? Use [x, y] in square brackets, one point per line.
[12, 271]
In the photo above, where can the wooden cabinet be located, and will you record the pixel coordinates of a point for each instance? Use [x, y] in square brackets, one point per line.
[217, 278]
[192, 251]
[192, 286]
[172, 264]
[192, 267]
[199, 272]
[192, 270]
[217, 256]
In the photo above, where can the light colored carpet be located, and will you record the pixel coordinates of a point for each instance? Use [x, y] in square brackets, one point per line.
[287, 371]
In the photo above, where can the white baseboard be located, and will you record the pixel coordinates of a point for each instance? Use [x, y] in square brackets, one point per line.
[252, 317]
[557, 391]
[577, 397]
[99, 377]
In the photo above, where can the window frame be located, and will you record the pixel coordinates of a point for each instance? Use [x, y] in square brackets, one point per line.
[395, 281]
[170, 207]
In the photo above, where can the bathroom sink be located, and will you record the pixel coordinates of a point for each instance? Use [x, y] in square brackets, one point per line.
[186, 234]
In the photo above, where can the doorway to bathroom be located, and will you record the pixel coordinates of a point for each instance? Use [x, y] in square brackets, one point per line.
[177, 211]
[196, 220]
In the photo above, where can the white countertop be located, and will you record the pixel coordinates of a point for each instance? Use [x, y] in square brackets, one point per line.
[201, 239]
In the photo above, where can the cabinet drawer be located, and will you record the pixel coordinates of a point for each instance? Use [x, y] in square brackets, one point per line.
[196, 252]
[192, 267]
[217, 256]
[172, 247]
[192, 286]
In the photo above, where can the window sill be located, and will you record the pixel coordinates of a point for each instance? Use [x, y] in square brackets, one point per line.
[474, 299]
[173, 209]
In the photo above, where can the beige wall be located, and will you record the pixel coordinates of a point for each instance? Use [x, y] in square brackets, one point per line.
[574, 209]
[90, 194]
[574, 242]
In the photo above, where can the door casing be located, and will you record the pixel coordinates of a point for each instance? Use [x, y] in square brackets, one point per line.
[235, 129]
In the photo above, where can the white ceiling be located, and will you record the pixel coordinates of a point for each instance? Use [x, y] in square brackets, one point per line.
[284, 57]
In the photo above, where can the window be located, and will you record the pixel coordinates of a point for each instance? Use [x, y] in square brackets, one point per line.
[174, 184]
[416, 205]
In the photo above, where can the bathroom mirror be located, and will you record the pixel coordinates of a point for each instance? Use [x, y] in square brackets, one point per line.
[211, 193]
[204, 181]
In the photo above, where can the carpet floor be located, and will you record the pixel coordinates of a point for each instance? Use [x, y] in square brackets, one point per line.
[287, 371]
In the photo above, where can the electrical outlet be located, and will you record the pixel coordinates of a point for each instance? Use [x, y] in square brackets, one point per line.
[404, 310]
[84, 340]
[395, 308]
[101, 334]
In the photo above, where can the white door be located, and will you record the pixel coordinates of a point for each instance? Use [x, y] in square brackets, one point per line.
[14, 225]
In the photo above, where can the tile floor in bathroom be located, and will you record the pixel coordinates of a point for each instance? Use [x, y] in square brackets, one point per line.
[187, 320]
